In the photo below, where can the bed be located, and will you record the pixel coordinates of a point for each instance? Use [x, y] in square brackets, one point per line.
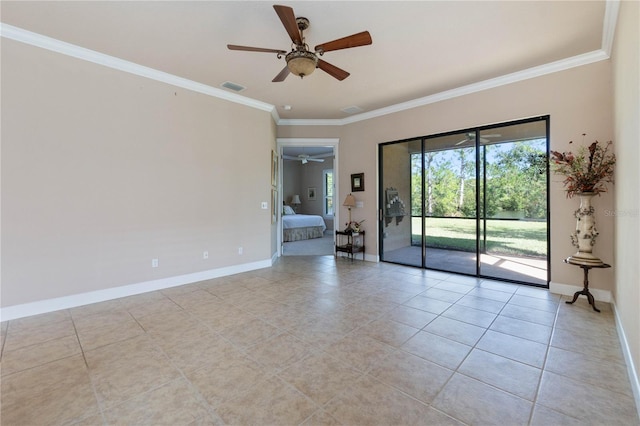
[296, 227]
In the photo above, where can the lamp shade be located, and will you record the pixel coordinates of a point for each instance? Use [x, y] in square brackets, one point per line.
[350, 201]
[301, 62]
[295, 200]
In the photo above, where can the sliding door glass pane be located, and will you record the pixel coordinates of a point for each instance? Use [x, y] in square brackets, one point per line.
[514, 200]
[450, 203]
[401, 195]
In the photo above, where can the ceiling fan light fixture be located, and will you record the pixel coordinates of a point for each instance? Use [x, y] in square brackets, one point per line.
[301, 62]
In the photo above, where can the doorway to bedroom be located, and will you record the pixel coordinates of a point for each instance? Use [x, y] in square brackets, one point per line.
[307, 194]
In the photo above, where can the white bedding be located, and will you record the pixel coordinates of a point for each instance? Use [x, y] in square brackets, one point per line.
[290, 221]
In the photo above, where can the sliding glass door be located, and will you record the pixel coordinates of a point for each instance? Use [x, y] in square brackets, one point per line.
[471, 202]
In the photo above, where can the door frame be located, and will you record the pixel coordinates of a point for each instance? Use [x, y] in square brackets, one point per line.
[305, 142]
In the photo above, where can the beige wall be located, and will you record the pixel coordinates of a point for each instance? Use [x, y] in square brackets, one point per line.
[103, 171]
[578, 101]
[626, 106]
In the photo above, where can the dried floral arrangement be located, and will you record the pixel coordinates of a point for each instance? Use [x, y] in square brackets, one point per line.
[589, 170]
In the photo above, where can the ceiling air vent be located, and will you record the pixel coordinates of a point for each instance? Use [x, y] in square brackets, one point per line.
[352, 109]
[233, 86]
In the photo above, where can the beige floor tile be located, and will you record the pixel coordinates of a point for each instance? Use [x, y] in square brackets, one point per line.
[53, 393]
[608, 375]
[534, 303]
[36, 321]
[38, 354]
[387, 331]
[321, 418]
[320, 376]
[458, 331]
[279, 352]
[605, 347]
[481, 304]
[469, 315]
[474, 402]
[413, 375]
[27, 335]
[511, 376]
[527, 314]
[588, 403]
[543, 416]
[370, 402]
[427, 304]
[119, 317]
[411, 316]
[438, 293]
[194, 348]
[270, 402]
[160, 304]
[227, 376]
[94, 337]
[315, 340]
[525, 329]
[440, 350]
[192, 299]
[360, 351]
[123, 370]
[515, 348]
[170, 404]
[249, 332]
[486, 291]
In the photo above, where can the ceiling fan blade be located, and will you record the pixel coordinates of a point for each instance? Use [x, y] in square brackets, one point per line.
[355, 40]
[281, 75]
[332, 70]
[463, 141]
[288, 157]
[318, 160]
[288, 18]
[254, 49]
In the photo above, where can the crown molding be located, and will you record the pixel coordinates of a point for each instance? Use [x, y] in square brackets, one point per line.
[609, 25]
[48, 43]
[608, 33]
[550, 68]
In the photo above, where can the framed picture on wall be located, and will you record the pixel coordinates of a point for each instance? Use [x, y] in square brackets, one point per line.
[274, 168]
[311, 194]
[274, 205]
[357, 182]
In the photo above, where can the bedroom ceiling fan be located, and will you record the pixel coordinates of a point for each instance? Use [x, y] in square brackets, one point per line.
[471, 137]
[304, 158]
[300, 60]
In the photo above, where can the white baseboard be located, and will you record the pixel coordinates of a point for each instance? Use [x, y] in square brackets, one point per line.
[72, 301]
[569, 290]
[631, 370]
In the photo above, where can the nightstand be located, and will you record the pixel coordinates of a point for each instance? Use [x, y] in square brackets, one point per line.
[350, 243]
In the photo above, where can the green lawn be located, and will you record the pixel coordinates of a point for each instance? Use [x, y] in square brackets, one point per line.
[513, 237]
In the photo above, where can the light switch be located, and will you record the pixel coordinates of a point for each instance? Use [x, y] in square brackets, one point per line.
[359, 204]
[264, 205]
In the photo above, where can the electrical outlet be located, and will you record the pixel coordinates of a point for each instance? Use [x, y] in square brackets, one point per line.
[205, 255]
[154, 263]
[240, 250]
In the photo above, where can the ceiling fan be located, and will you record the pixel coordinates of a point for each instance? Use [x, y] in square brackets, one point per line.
[471, 137]
[303, 158]
[300, 60]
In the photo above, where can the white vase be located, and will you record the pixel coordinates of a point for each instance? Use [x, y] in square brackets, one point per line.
[584, 237]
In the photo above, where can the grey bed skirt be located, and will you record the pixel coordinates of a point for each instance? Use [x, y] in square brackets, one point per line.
[297, 234]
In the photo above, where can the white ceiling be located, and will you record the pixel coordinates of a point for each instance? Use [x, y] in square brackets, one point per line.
[420, 48]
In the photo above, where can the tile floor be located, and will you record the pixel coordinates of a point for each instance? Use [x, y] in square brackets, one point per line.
[314, 340]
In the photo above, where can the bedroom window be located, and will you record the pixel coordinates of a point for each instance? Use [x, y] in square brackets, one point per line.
[327, 189]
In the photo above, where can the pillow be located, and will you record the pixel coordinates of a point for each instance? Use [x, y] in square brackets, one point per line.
[288, 210]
